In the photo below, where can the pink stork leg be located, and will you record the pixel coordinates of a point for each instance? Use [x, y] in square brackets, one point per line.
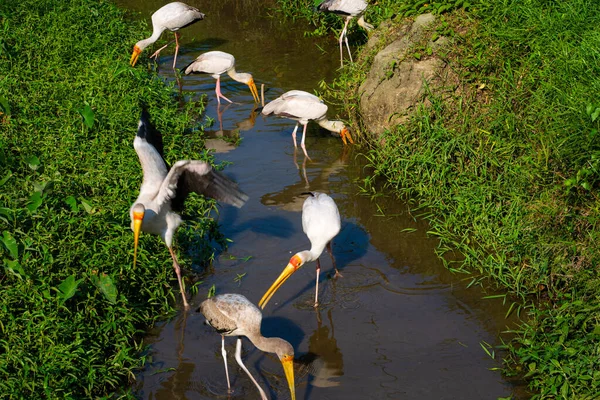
[342, 36]
[176, 49]
[318, 270]
[238, 358]
[346, 37]
[218, 91]
[294, 134]
[337, 273]
[302, 142]
[178, 273]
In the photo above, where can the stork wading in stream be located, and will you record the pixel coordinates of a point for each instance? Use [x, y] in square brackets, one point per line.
[235, 315]
[321, 223]
[172, 16]
[349, 9]
[304, 107]
[216, 63]
[163, 190]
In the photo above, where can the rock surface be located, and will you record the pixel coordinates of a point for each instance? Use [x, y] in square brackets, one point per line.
[396, 80]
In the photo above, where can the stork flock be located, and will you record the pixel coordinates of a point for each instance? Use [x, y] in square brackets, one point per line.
[164, 189]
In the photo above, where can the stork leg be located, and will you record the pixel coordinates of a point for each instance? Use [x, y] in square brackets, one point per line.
[294, 135]
[318, 269]
[346, 40]
[176, 49]
[218, 91]
[337, 273]
[157, 52]
[302, 141]
[342, 36]
[238, 358]
[224, 354]
[178, 273]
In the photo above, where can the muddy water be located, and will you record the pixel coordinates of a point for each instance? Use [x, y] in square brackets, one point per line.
[397, 325]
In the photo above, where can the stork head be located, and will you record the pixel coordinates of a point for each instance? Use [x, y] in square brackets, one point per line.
[249, 80]
[136, 53]
[137, 216]
[296, 262]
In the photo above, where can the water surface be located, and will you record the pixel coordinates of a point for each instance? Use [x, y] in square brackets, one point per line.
[397, 325]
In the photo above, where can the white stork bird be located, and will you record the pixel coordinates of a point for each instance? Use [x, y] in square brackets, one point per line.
[164, 190]
[349, 9]
[235, 315]
[321, 223]
[172, 16]
[303, 107]
[216, 63]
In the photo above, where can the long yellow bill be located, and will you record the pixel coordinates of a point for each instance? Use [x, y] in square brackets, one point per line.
[287, 272]
[254, 91]
[135, 55]
[288, 368]
[137, 227]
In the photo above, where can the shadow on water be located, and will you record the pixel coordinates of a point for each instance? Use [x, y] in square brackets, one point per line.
[397, 325]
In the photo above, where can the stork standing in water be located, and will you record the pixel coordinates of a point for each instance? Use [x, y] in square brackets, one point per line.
[164, 190]
[321, 223]
[235, 315]
[350, 9]
[172, 16]
[216, 63]
[303, 107]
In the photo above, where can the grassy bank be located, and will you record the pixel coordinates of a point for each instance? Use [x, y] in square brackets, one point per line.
[508, 174]
[72, 307]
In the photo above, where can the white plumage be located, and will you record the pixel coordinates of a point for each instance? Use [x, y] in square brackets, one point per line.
[350, 9]
[216, 63]
[172, 16]
[304, 107]
[163, 190]
[321, 223]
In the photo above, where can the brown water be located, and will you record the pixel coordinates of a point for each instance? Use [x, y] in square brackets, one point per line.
[397, 325]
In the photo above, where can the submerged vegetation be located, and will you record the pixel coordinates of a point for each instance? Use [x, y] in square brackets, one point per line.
[508, 172]
[72, 306]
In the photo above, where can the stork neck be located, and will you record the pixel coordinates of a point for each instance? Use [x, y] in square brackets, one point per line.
[234, 74]
[156, 32]
[266, 344]
[312, 254]
[333, 126]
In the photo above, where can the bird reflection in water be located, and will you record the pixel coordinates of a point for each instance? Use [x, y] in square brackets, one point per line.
[324, 360]
[225, 140]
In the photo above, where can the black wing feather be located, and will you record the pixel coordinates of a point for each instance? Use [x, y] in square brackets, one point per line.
[150, 134]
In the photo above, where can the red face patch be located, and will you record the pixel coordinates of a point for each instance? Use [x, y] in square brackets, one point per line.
[296, 262]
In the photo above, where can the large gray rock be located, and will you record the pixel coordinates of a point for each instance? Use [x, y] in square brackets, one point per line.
[396, 80]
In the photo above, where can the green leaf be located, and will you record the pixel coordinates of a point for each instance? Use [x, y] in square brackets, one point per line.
[586, 186]
[595, 114]
[35, 201]
[88, 115]
[11, 244]
[4, 105]
[72, 202]
[107, 287]
[68, 287]
[33, 162]
[14, 267]
[6, 178]
[87, 206]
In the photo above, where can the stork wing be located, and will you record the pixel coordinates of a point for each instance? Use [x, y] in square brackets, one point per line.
[220, 321]
[198, 177]
[297, 104]
[213, 62]
[149, 147]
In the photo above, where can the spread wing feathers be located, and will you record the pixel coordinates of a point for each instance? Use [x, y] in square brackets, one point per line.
[148, 146]
[297, 105]
[213, 62]
[344, 7]
[199, 177]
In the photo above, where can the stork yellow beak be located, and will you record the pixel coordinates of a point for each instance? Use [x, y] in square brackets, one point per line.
[288, 368]
[138, 217]
[287, 272]
[253, 90]
[135, 55]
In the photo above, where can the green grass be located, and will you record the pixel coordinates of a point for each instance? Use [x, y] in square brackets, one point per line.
[507, 173]
[72, 308]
